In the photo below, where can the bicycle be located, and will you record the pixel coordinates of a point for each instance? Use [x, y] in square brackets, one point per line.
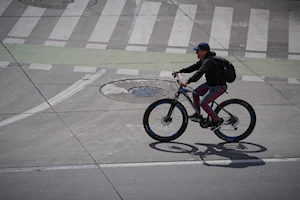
[172, 117]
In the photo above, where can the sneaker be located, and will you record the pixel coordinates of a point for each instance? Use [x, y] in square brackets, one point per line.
[217, 125]
[194, 117]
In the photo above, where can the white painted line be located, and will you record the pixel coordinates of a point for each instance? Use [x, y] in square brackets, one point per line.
[222, 20]
[128, 71]
[4, 64]
[294, 33]
[294, 57]
[136, 48]
[27, 22]
[253, 78]
[85, 69]
[176, 50]
[151, 164]
[73, 89]
[144, 23]
[96, 46]
[255, 55]
[293, 81]
[68, 20]
[165, 74]
[221, 53]
[3, 5]
[183, 25]
[47, 168]
[55, 43]
[14, 40]
[107, 21]
[257, 39]
[210, 162]
[40, 66]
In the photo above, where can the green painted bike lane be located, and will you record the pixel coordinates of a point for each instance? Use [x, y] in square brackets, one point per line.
[26, 53]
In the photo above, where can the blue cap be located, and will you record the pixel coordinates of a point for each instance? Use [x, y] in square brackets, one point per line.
[202, 46]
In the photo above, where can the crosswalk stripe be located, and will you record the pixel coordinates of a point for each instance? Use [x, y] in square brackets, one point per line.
[27, 22]
[144, 23]
[3, 5]
[176, 50]
[255, 55]
[294, 57]
[221, 28]
[258, 30]
[183, 25]
[293, 81]
[55, 43]
[14, 40]
[40, 66]
[4, 64]
[96, 46]
[136, 48]
[253, 78]
[165, 74]
[128, 71]
[294, 33]
[68, 20]
[85, 69]
[107, 21]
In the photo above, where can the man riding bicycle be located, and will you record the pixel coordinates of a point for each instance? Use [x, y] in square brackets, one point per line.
[211, 89]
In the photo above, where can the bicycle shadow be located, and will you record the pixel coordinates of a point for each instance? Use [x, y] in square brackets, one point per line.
[235, 153]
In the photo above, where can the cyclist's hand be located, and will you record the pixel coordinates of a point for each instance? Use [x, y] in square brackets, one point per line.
[175, 72]
[183, 83]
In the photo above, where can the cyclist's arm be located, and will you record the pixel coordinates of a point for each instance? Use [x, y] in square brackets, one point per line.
[206, 66]
[191, 68]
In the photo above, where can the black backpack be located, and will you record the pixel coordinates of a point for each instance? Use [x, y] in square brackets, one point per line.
[227, 69]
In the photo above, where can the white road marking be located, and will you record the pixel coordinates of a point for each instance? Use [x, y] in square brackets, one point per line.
[128, 71]
[68, 20]
[55, 43]
[257, 39]
[165, 74]
[3, 5]
[151, 164]
[144, 23]
[4, 64]
[183, 25]
[136, 48]
[107, 21]
[14, 40]
[27, 22]
[96, 46]
[294, 57]
[73, 89]
[294, 33]
[255, 55]
[222, 20]
[176, 50]
[293, 81]
[40, 66]
[85, 69]
[253, 78]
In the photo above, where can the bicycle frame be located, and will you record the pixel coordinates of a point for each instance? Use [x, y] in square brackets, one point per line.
[184, 91]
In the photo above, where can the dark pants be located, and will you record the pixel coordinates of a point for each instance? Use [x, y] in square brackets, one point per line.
[208, 93]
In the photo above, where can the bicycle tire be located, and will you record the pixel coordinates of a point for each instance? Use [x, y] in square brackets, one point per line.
[157, 135]
[248, 131]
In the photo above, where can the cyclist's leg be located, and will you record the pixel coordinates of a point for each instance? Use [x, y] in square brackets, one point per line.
[212, 94]
[201, 90]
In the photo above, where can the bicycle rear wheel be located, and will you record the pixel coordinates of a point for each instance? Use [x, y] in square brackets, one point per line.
[165, 120]
[240, 120]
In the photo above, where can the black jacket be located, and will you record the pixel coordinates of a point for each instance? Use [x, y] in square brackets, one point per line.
[207, 67]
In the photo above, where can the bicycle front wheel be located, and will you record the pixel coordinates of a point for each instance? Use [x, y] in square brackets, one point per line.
[165, 120]
[240, 120]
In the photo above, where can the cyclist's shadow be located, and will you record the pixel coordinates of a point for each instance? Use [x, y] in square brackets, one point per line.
[236, 153]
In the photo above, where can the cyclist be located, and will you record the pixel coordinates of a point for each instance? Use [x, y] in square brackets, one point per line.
[211, 89]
